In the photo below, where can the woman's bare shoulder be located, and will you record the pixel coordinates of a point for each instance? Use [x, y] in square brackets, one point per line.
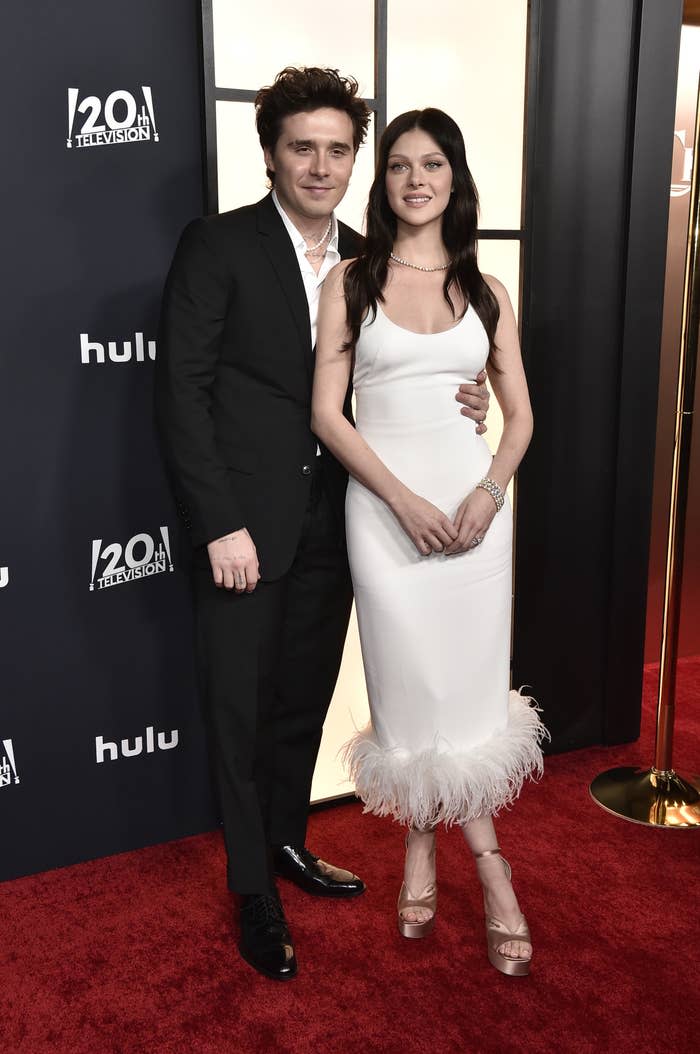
[341, 268]
[497, 288]
[333, 282]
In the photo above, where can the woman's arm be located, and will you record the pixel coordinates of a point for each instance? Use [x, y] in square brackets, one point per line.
[428, 527]
[510, 388]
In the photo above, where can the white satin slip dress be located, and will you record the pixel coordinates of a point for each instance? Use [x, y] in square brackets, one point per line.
[447, 741]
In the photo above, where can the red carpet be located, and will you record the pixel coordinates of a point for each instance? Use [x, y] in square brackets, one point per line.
[135, 953]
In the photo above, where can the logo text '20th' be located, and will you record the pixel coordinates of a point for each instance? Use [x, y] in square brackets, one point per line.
[119, 119]
[139, 558]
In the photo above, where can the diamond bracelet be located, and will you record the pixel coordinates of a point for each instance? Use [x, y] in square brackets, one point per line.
[494, 490]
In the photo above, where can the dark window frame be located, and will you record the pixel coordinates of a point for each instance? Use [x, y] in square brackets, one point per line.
[378, 105]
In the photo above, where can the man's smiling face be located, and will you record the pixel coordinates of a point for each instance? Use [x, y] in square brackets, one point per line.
[312, 162]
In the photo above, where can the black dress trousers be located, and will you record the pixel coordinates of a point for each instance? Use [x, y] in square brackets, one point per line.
[268, 664]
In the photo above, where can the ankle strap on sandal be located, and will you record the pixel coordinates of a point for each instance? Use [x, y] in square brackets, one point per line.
[488, 852]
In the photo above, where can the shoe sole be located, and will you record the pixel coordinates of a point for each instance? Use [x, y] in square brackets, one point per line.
[326, 893]
[415, 930]
[266, 973]
[509, 967]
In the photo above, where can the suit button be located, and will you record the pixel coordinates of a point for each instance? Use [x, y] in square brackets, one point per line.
[306, 470]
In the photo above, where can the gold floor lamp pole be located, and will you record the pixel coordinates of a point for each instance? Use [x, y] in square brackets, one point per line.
[658, 796]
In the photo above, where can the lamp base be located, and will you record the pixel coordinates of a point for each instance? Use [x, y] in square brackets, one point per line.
[653, 798]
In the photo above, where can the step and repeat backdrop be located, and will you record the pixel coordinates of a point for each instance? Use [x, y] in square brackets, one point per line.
[101, 743]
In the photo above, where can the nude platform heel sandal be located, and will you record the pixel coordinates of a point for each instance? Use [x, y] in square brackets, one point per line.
[427, 900]
[497, 933]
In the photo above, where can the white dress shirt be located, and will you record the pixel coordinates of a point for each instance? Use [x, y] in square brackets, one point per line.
[312, 281]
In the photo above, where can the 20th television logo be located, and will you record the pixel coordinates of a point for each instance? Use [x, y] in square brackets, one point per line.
[139, 558]
[118, 120]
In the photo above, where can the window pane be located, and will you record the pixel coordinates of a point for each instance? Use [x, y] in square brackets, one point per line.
[502, 260]
[470, 62]
[240, 164]
[352, 208]
[252, 44]
[348, 711]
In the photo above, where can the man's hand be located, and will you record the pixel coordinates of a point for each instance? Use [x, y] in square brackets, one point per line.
[475, 401]
[234, 562]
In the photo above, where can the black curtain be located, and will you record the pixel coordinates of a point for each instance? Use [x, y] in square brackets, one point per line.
[599, 146]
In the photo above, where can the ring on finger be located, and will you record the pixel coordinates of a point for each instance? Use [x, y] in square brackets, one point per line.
[476, 541]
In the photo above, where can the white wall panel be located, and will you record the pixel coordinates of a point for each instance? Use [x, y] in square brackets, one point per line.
[467, 57]
[253, 42]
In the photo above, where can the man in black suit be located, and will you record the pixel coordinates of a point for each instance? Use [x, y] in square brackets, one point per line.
[263, 502]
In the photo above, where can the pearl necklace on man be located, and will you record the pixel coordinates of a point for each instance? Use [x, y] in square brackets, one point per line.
[314, 248]
[417, 267]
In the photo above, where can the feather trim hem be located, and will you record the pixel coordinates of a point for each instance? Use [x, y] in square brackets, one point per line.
[436, 786]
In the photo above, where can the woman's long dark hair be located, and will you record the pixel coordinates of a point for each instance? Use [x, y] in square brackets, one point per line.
[366, 277]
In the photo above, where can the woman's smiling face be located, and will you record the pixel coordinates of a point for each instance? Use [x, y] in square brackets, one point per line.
[418, 178]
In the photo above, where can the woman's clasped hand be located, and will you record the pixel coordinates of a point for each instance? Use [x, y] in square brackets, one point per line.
[432, 531]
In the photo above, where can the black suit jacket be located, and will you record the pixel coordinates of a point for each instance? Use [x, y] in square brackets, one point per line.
[234, 374]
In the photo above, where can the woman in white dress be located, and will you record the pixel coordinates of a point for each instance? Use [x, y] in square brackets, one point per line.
[429, 526]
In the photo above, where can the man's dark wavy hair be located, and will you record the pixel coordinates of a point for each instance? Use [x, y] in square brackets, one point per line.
[366, 277]
[301, 91]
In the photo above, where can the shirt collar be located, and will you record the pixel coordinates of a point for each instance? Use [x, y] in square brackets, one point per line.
[298, 240]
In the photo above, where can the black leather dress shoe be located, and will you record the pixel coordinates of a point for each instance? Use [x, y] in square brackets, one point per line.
[313, 875]
[265, 941]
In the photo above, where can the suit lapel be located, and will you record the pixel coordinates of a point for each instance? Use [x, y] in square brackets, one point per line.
[279, 250]
[349, 241]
